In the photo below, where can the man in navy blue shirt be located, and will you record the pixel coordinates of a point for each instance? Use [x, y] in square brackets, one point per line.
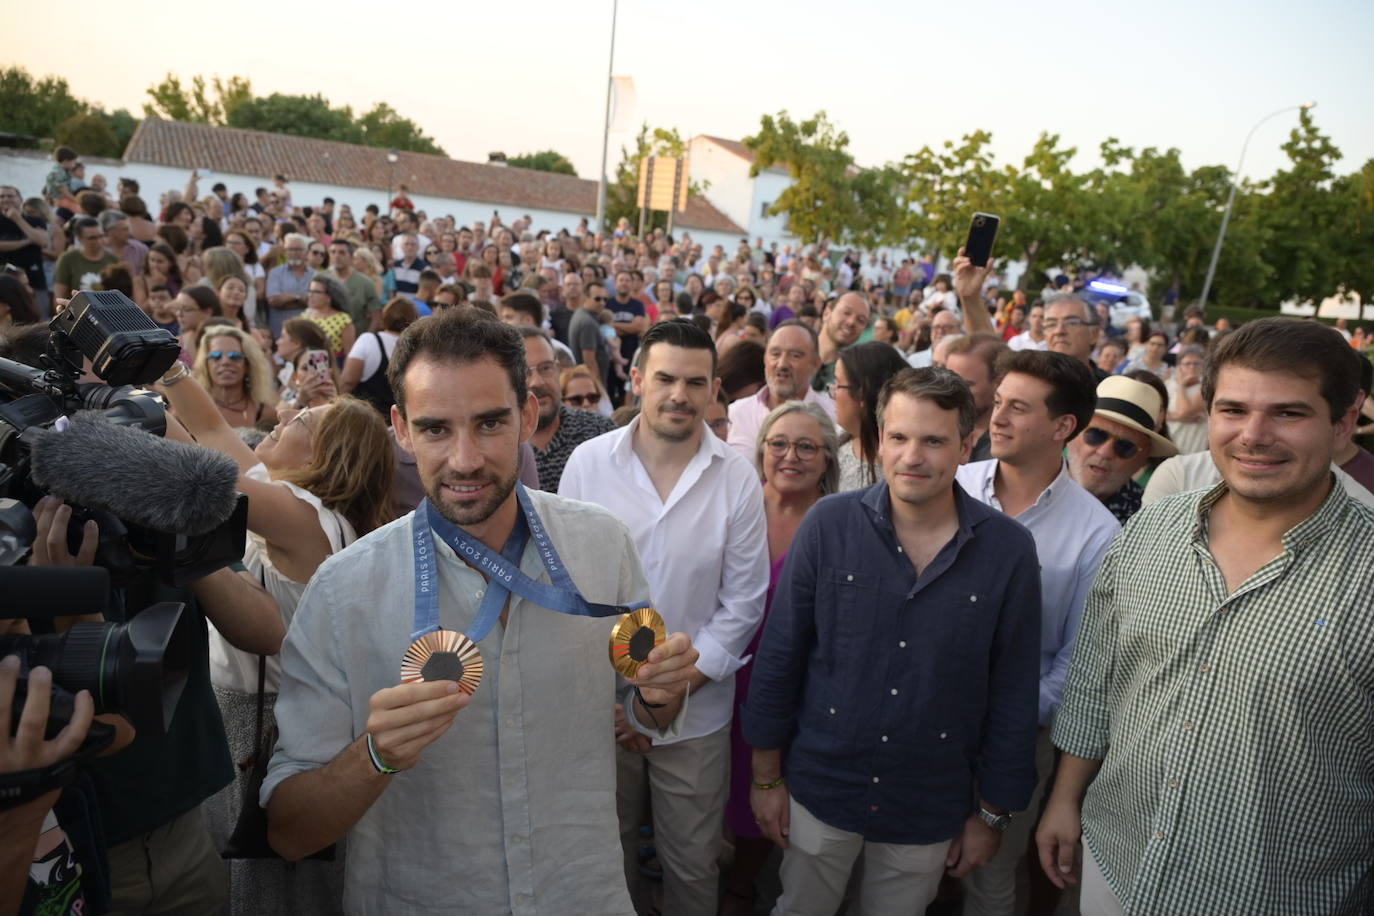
[898, 676]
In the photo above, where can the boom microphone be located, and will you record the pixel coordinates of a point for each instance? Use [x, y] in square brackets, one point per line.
[160, 484]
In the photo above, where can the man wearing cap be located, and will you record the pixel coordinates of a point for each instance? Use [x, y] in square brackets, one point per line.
[1043, 401]
[1118, 442]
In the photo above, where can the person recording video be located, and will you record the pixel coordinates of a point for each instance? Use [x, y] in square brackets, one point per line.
[148, 795]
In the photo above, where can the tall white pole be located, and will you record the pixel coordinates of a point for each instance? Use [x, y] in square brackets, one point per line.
[606, 127]
[1231, 199]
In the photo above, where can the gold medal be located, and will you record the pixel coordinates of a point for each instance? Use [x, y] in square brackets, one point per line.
[443, 655]
[634, 637]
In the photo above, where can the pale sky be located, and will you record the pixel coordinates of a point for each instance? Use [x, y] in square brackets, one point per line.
[895, 75]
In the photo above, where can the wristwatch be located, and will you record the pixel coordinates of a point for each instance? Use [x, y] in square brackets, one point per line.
[998, 822]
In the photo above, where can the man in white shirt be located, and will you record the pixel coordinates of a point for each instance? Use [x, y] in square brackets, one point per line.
[694, 508]
[1033, 337]
[1043, 400]
[789, 362]
[405, 224]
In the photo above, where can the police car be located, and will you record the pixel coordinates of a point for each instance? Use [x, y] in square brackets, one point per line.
[1123, 302]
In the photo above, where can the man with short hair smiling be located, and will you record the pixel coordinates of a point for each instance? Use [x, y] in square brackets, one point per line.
[1043, 401]
[406, 770]
[695, 510]
[1119, 441]
[842, 323]
[1033, 337]
[1216, 724]
[943, 325]
[560, 429]
[790, 358]
[897, 672]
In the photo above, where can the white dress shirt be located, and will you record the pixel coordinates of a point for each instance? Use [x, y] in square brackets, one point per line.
[747, 416]
[704, 550]
[1197, 472]
[1024, 341]
[1072, 531]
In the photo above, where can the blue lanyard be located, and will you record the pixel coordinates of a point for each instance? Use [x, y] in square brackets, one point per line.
[502, 570]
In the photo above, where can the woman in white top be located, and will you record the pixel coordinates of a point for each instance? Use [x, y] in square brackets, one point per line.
[319, 480]
[364, 371]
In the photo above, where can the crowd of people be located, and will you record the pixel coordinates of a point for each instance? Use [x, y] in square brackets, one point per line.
[959, 585]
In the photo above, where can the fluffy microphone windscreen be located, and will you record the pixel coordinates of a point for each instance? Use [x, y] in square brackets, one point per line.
[142, 478]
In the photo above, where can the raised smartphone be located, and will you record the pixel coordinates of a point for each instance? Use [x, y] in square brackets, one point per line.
[982, 231]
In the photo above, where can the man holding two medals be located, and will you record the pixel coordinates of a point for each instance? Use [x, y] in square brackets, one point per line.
[458, 730]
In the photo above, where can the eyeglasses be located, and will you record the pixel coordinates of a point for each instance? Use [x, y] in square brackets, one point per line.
[720, 426]
[1070, 324]
[581, 400]
[1124, 448]
[779, 446]
[598, 298]
[836, 386]
[549, 368]
[235, 355]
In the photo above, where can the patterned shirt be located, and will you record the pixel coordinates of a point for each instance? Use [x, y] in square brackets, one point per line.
[574, 428]
[1126, 502]
[1236, 732]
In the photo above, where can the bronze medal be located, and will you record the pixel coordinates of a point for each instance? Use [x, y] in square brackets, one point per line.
[443, 655]
[634, 637]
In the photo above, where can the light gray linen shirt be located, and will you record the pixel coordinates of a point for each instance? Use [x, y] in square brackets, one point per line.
[513, 809]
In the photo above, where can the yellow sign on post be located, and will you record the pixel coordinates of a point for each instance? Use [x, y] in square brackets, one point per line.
[662, 186]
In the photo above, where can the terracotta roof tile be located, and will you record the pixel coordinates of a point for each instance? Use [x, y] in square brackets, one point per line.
[250, 152]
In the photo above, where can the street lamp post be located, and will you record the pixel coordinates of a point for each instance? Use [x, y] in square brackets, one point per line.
[606, 127]
[392, 156]
[1231, 199]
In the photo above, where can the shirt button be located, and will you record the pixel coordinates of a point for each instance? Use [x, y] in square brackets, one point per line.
[832, 710]
[899, 549]
[1187, 726]
[1159, 834]
[901, 644]
[1205, 668]
[943, 735]
[849, 578]
[477, 594]
[972, 598]
[884, 739]
[1173, 783]
[875, 779]
[894, 691]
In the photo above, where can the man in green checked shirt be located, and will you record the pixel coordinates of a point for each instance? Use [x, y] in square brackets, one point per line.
[1217, 727]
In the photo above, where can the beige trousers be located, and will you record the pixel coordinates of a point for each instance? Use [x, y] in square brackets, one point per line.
[688, 783]
[172, 870]
[1097, 897]
[898, 879]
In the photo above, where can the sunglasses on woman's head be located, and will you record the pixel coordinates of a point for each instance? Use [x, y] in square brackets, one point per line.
[235, 355]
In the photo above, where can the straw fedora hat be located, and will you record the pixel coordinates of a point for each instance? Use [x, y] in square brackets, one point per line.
[1137, 405]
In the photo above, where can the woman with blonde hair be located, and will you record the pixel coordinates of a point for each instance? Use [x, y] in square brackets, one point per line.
[232, 368]
[365, 263]
[583, 391]
[320, 480]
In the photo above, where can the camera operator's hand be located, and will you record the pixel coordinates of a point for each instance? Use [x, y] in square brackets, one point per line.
[27, 749]
[50, 544]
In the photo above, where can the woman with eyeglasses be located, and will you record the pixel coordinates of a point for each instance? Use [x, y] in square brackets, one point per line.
[859, 377]
[327, 306]
[582, 391]
[232, 368]
[317, 257]
[797, 450]
[320, 480]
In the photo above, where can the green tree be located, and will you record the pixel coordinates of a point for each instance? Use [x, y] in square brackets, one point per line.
[821, 202]
[544, 161]
[201, 103]
[383, 126]
[89, 134]
[123, 124]
[35, 107]
[622, 188]
[943, 189]
[298, 115]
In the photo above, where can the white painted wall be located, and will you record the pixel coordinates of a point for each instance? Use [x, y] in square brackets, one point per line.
[768, 186]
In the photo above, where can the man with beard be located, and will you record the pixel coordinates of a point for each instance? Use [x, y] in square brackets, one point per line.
[504, 807]
[695, 510]
[790, 359]
[288, 284]
[559, 429]
[1215, 726]
[841, 324]
[1119, 441]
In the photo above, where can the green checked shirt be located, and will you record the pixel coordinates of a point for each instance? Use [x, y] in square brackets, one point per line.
[1236, 732]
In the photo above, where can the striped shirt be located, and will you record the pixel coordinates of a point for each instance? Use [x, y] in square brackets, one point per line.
[1236, 732]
